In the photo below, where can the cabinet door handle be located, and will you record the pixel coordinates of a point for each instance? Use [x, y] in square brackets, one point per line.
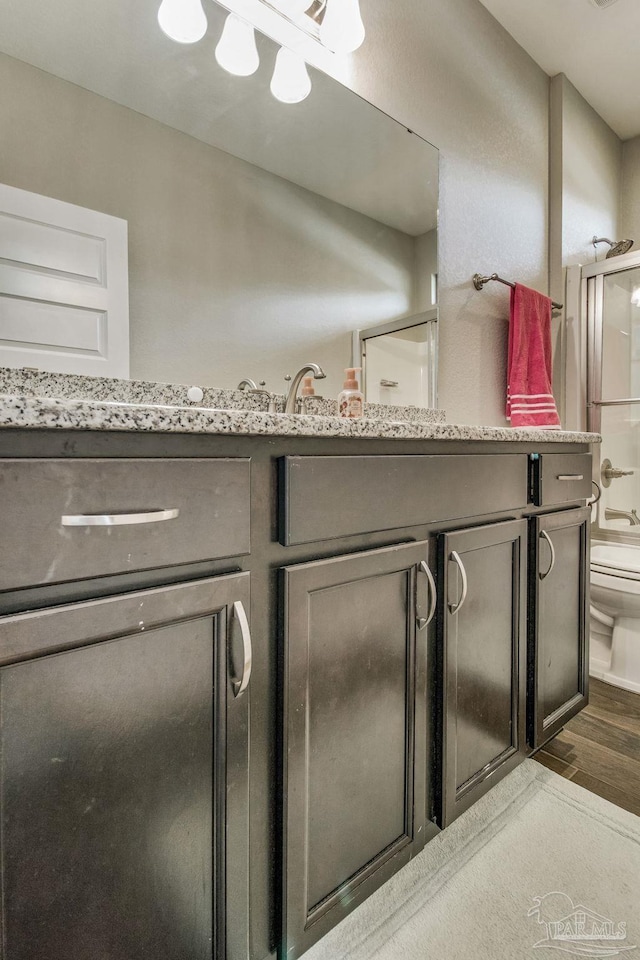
[118, 519]
[433, 596]
[455, 607]
[570, 476]
[239, 686]
[544, 535]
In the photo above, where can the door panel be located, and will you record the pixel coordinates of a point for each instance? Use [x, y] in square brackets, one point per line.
[357, 719]
[483, 571]
[354, 760]
[117, 759]
[558, 643]
[485, 665]
[64, 299]
[107, 787]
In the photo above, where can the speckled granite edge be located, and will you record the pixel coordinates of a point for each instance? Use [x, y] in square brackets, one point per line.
[319, 406]
[28, 382]
[47, 413]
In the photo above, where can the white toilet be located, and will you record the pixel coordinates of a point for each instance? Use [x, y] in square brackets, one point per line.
[615, 614]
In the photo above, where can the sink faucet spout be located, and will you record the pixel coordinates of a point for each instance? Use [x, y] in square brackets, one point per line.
[292, 396]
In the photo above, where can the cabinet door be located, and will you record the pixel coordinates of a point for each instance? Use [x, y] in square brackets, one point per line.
[354, 757]
[483, 573]
[558, 641]
[124, 771]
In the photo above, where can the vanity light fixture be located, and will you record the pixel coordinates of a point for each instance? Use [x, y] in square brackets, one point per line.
[342, 29]
[183, 20]
[236, 51]
[336, 24]
[291, 82]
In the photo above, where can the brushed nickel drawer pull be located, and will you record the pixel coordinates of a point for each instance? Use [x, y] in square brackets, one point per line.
[118, 519]
[570, 476]
[239, 686]
[433, 596]
[456, 607]
[544, 535]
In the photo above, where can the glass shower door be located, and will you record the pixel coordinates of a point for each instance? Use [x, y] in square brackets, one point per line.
[613, 301]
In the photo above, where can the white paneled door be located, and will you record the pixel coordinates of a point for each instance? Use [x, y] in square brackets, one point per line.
[64, 287]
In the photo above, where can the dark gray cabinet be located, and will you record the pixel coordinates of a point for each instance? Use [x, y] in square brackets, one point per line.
[354, 752]
[124, 767]
[382, 706]
[484, 595]
[93, 517]
[558, 640]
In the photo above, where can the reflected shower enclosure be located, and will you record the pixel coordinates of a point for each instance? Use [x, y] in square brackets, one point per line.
[399, 361]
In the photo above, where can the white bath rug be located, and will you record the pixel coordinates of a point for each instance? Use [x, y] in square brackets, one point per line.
[539, 867]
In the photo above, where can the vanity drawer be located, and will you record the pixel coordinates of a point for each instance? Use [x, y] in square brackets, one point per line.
[328, 497]
[560, 478]
[72, 519]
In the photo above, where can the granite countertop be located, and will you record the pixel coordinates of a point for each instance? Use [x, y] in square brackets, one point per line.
[50, 413]
[35, 400]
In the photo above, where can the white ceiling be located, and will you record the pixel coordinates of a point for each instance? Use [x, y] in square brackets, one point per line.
[597, 48]
[334, 143]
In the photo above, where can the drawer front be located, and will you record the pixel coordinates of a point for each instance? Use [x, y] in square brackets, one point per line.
[561, 478]
[72, 519]
[328, 497]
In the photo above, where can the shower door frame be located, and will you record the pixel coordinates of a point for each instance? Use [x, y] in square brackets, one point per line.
[592, 302]
[593, 275]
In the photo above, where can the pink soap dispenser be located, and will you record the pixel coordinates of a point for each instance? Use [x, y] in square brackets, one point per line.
[351, 401]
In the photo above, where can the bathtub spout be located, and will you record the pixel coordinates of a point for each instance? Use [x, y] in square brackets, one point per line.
[631, 516]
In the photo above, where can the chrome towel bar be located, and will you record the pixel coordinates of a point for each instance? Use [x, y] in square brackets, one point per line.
[479, 282]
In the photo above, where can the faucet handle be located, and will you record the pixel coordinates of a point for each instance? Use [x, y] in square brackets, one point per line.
[608, 472]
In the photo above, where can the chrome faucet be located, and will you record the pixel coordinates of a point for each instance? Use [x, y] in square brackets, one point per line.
[631, 516]
[247, 384]
[292, 396]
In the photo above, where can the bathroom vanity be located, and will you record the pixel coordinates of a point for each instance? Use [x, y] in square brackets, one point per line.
[283, 662]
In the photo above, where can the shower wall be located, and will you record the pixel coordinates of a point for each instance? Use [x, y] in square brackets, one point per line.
[630, 192]
[585, 168]
[590, 157]
[621, 445]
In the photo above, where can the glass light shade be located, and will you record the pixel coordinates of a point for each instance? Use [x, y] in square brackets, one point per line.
[342, 29]
[236, 51]
[291, 82]
[635, 297]
[182, 20]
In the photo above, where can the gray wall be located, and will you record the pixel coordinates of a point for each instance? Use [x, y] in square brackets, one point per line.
[452, 74]
[630, 202]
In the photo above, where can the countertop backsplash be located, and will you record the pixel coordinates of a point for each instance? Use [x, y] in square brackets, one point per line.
[30, 382]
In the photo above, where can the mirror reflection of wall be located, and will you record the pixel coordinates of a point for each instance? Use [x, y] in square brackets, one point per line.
[261, 235]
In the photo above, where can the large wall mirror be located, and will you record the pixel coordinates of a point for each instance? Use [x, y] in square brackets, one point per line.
[262, 235]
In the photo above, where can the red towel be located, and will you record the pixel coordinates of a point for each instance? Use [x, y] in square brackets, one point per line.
[530, 401]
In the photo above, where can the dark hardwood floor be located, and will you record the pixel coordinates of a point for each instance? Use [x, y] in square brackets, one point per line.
[600, 748]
